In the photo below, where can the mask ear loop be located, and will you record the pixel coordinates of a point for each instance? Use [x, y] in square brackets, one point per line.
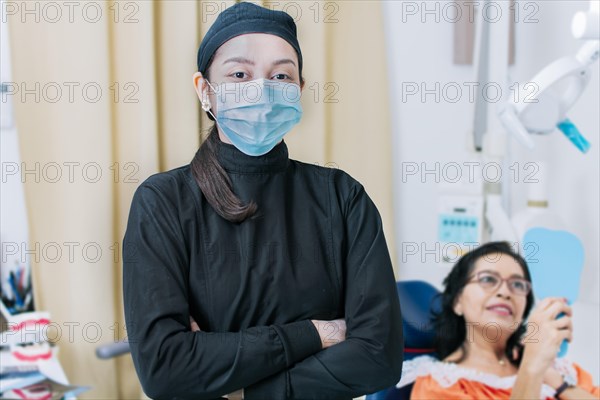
[206, 106]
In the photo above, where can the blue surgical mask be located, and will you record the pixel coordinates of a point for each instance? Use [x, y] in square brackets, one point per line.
[255, 115]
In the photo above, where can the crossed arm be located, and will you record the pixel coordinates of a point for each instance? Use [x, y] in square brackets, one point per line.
[277, 361]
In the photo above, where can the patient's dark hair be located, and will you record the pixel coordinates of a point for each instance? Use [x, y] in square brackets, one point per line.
[450, 328]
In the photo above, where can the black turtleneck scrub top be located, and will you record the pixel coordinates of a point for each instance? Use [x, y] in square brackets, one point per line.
[314, 250]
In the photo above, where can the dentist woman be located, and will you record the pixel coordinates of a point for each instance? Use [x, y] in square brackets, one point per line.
[246, 271]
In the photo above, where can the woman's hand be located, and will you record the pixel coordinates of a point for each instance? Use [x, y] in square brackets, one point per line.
[194, 325]
[553, 378]
[543, 345]
[331, 332]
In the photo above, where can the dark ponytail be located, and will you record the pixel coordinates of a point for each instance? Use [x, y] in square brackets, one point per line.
[216, 184]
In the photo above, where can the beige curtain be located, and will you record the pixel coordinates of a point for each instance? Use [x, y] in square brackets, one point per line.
[115, 104]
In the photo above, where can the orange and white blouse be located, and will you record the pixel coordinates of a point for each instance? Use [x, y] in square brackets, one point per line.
[434, 379]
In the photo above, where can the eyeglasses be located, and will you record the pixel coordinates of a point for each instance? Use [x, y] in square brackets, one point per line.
[491, 281]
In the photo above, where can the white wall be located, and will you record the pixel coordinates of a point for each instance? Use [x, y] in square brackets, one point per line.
[430, 131]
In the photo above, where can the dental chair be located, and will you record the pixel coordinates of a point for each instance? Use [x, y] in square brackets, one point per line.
[108, 351]
[417, 300]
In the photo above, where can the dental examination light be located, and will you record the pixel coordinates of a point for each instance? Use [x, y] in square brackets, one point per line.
[542, 105]
[585, 24]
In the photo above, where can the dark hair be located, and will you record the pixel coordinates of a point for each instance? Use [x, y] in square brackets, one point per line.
[213, 180]
[215, 184]
[450, 328]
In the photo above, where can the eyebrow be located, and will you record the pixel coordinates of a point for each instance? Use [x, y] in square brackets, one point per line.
[243, 60]
[240, 60]
[495, 272]
[284, 61]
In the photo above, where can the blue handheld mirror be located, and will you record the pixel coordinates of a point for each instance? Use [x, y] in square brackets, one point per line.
[555, 260]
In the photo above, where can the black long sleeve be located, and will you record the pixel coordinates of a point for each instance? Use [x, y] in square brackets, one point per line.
[170, 359]
[370, 359]
[314, 250]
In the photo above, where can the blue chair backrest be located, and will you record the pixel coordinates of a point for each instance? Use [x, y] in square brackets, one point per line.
[417, 301]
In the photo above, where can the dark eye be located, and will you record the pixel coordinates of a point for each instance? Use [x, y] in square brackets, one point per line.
[519, 284]
[239, 75]
[488, 279]
[281, 77]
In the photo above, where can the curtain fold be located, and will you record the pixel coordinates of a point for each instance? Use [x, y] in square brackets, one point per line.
[127, 109]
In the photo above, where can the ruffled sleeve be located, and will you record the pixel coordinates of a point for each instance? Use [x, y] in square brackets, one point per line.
[428, 388]
[434, 379]
[585, 381]
[439, 380]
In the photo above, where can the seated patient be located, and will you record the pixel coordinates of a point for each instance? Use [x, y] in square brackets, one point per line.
[486, 348]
